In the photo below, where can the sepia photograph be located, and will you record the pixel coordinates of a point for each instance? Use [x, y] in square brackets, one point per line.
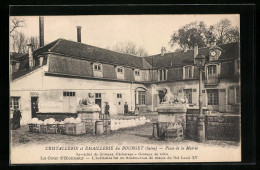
[125, 88]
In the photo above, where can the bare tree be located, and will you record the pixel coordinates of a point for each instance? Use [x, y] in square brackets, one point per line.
[19, 42]
[16, 23]
[35, 42]
[130, 48]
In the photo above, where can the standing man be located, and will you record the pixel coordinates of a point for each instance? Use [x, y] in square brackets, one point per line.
[34, 110]
[125, 108]
[16, 119]
[107, 109]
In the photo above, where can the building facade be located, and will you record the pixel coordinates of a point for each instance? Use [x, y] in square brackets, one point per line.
[55, 77]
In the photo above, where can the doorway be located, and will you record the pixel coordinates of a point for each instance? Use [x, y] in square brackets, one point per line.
[34, 106]
[98, 100]
[213, 99]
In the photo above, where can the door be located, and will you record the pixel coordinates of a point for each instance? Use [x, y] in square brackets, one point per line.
[98, 100]
[34, 106]
[69, 102]
[213, 99]
[120, 103]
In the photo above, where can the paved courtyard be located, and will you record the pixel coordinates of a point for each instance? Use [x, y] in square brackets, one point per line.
[141, 134]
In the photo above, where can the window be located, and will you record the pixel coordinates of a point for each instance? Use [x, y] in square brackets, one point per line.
[120, 70]
[137, 72]
[119, 95]
[212, 97]
[67, 93]
[188, 94]
[162, 75]
[212, 71]
[98, 95]
[97, 67]
[15, 102]
[141, 97]
[188, 72]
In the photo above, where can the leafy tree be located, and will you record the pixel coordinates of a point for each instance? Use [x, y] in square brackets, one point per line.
[191, 34]
[225, 33]
[198, 33]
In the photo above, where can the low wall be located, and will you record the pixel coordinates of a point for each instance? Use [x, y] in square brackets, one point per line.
[217, 126]
[56, 116]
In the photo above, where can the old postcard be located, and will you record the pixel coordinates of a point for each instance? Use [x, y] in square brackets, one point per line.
[125, 89]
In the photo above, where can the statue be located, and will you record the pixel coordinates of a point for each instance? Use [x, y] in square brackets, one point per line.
[87, 101]
[169, 98]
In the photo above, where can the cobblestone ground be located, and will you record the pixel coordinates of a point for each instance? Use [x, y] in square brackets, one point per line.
[135, 135]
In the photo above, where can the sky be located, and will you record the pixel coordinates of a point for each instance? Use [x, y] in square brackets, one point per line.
[148, 31]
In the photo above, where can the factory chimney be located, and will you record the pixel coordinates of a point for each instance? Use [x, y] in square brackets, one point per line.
[79, 33]
[41, 27]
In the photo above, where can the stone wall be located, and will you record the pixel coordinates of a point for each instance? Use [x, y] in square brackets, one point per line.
[217, 126]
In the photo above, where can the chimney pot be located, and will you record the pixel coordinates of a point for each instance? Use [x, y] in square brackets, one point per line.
[163, 50]
[41, 27]
[79, 33]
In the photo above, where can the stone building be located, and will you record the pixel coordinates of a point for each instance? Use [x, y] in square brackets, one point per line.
[57, 75]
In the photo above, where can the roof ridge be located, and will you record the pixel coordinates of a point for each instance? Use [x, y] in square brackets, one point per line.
[44, 45]
[58, 41]
[191, 49]
[99, 47]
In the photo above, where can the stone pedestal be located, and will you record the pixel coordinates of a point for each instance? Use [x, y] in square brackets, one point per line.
[172, 118]
[201, 128]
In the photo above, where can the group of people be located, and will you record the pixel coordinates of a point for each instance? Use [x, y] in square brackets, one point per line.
[107, 107]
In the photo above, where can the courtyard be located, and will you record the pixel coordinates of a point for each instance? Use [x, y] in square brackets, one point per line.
[141, 134]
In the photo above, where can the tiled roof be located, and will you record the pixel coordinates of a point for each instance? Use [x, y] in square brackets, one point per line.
[71, 49]
[184, 58]
[88, 52]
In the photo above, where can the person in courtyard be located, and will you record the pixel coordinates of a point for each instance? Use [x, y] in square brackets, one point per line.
[125, 108]
[16, 119]
[34, 110]
[107, 107]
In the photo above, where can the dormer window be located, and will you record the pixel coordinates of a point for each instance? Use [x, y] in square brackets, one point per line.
[212, 72]
[162, 75]
[120, 70]
[137, 72]
[188, 72]
[97, 67]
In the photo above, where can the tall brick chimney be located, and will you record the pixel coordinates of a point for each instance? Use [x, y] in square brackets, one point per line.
[41, 27]
[79, 33]
[30, 54]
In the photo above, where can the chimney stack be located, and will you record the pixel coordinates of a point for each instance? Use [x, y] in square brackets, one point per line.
[41, 26]
[79, 33]
[30, 54]
[163, 50]
[196, 51]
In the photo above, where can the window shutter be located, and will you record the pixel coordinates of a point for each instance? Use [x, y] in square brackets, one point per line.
[204, 98]
[231, 95]
[195, 96]
[183, 72]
